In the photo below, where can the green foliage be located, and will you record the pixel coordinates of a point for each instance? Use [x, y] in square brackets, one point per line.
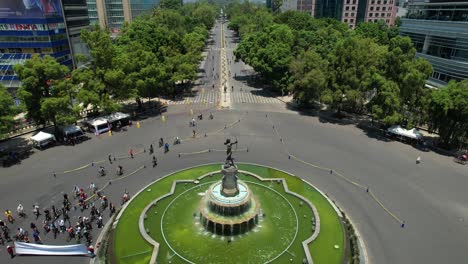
[379, 31]
[170, 4]
[352, 67]
[269, 53]
[448, 112]
[385, 105]
[309, 77]
[7, 110]
[44, 91]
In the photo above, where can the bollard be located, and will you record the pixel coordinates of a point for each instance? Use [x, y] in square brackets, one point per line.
[110, 133]
[403, 224]
[138, 124]
[163, 118]
[289, 156]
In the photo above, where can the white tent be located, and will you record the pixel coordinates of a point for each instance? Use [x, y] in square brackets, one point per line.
[117, 116]
[42, 136]
[412, 133]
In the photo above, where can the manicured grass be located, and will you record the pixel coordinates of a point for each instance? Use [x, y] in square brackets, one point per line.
[322, 249]
[129, 243]
[275, 232]
[128, 240]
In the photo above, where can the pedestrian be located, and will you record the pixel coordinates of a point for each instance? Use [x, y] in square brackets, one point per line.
[62, 226]
[111, 209]
[155, 161]
[131, 153]
[9, 216]
[46, 226]
[110, 158]
[36, 211]
[55, 212]
[37, 238]
[194, 133]
[9, 249]
[20, 210]
[33, 227]
[55, 230]
[47, 214]
[91, 252]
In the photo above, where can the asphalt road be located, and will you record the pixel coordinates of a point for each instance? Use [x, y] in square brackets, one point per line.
[430, 197]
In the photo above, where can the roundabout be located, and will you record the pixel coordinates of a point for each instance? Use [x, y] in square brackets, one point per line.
[286, 230]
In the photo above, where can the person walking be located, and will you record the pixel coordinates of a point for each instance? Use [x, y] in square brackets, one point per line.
[9, 249]
[131, 153]
[110, 158]
[20, 210]
[151, 150]
[37, 238]
[36, 211]
[9, 216]
[155, 161]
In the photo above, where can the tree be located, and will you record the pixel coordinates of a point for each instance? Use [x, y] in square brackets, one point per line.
[309, 77]
[379, 31]
[170, 4]
[7, 110]
[353, 64]
[448, 113]
[269, 53]
[385, 105]
[44, 95]
[102, 82]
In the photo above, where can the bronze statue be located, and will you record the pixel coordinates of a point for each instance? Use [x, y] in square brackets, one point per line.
[229, 158]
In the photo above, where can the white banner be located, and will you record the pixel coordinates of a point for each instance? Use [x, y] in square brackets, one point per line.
[50, 250]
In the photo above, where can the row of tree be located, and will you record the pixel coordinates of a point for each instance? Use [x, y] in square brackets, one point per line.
[152, 54]
[371, 69]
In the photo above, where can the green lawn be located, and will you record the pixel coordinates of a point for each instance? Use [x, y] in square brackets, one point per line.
[128, 240]
[130, 247]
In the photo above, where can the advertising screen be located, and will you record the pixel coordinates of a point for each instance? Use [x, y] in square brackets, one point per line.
[30, 8]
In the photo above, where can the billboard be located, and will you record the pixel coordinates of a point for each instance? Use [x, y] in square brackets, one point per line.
[30, 8]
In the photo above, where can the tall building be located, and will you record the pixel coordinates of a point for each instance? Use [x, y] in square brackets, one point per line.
[30, 27]
[112, 14]
[350, 12]
[439, 32]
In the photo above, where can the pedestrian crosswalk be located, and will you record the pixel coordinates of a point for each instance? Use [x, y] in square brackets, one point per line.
[202, 97]
[248, 97]
[213, 96]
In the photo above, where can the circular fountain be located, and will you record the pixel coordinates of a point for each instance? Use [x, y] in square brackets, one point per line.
[229, 207]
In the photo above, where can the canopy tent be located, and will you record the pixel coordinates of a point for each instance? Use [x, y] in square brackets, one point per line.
[42, 136]
[50, 250]
[117, 116]
[412, 133]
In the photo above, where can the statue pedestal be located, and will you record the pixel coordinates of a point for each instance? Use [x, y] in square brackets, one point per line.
[229, 182]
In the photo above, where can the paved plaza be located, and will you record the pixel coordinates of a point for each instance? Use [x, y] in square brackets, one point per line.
[429, 197]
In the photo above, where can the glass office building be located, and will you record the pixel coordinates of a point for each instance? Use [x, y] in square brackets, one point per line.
[39, 27]
[439, 32]
[112, 14]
